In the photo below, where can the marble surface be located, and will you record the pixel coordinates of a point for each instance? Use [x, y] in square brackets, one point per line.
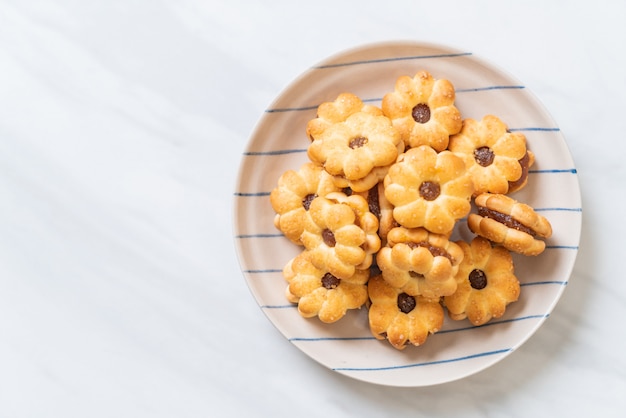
[122, 125]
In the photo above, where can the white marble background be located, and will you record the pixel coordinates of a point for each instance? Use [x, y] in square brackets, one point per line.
[121, 128]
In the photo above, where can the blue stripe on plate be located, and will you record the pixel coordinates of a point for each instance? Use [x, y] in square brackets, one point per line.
[558, 209]
[376, 61]
[244, 236]
[562, 247]
[426, 363]
[289, 306]
[553, 171]
[251, 194]
[447, 331]
[277, 152]
[486, 88]
[262, 271]
[559, 282]
[540, 129]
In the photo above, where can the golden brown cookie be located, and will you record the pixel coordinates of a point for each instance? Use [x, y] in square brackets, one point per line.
[497, 160]
[319, 293]
[330, 113]
[429, 189]
[419, 262]
[341, 234]
[400, 318]
[512, 224]
[422, 109]
[293, 194]
[358, 150]
[486, 283]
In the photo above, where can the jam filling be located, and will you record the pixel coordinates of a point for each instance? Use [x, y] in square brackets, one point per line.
[478, 279]
[357, 142]
[514, 185]
[373, 202]
[306, 202]
[484, 156]
[429, 190]
[507, 220]
[421, 113]
[406, 303]
[435, 251]
[330, 282]
[415, 275]
[328, 237]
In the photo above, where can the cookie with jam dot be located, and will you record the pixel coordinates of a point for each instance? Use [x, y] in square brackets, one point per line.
[400, 318]
[512, 224]
[354, 143]
[497, 160]
[319, 293]
[486, 283]
[422, 109]
[420, 262]
[292, 196]
[429, 189]
[341, 234]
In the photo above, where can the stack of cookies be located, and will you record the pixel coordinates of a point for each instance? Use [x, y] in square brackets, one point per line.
[375, 206]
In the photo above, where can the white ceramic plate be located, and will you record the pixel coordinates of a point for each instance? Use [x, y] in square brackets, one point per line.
[279, 143]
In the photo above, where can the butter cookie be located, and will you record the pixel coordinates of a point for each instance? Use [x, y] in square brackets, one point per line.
[293, 194]
[486, 283]
[422, 109]
[512, 224]
[318, 293]
[429, 189]
[358, 150]
[341, 234]
[419, 262]
[401, 318]
[497, 160]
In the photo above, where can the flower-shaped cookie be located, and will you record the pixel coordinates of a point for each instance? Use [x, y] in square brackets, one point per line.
[293, 194]
[329, 113]
[341, 234]
[429, 189]
[496, 159]
[401, 318]
[419, 262]
[422, 109]
[357, 151]
[318, 293]
[486, 283]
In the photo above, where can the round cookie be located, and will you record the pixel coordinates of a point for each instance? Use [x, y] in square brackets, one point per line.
[429, 189]
[486, 283]
[400, 318]
[422, 109]
[341, 234]
[497, 160]
[512, 224]
[293, 194]
[318, 293]
[357, 150]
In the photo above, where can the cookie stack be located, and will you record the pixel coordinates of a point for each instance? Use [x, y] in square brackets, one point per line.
[375, 207]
